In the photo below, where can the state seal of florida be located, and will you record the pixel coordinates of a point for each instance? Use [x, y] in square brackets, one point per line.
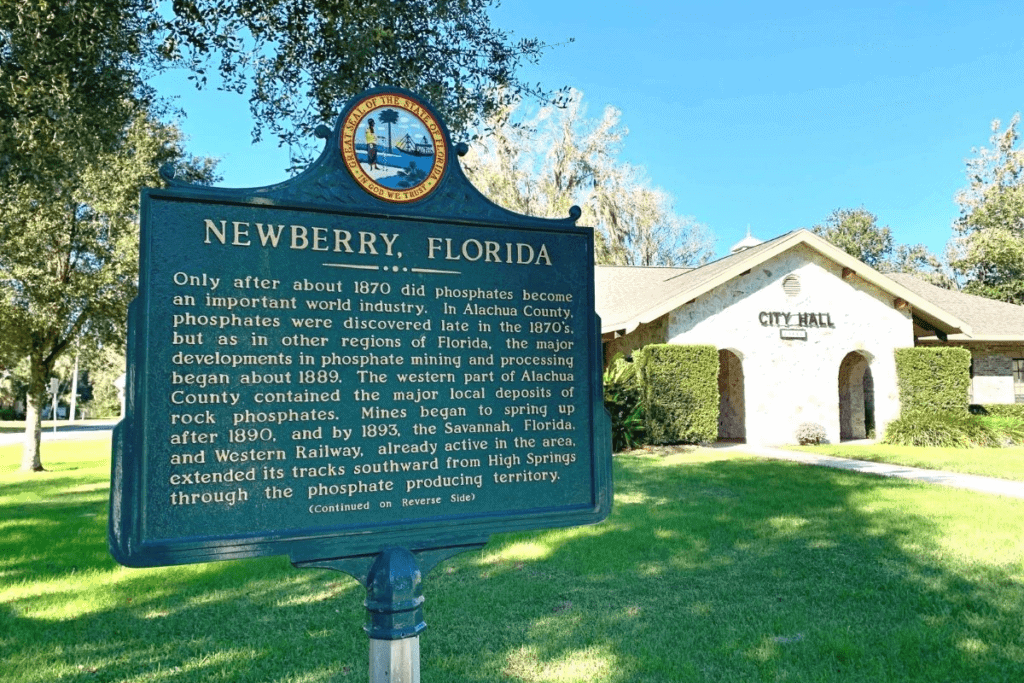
[394, 147]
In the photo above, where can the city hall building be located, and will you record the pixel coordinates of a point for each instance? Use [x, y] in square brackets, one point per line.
[807, 333]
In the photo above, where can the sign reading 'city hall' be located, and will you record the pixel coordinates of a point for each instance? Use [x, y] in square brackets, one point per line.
[368, 355]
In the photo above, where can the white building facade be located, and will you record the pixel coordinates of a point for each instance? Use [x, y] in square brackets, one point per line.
[805, 334]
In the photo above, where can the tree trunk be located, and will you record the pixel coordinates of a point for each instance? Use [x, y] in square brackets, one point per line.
[34, 399]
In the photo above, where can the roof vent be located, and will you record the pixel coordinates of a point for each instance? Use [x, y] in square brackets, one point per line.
[791, 285]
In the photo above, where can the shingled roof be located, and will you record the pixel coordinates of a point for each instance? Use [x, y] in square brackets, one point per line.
[989, 320]
[627, 297]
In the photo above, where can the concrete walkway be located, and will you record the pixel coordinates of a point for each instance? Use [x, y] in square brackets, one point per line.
[1002, 487]
[65, 432]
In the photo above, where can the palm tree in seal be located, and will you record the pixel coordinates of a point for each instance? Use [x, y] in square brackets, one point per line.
[389, 116]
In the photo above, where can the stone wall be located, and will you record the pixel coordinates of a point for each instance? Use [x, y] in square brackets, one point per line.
[791, 372]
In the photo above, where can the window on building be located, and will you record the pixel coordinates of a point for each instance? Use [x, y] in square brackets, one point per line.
[1018, 380]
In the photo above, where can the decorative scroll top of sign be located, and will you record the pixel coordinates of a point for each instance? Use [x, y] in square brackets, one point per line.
[394, 147]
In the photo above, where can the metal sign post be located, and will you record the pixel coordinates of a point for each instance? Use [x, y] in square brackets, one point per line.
[369, 367]
[394, 602]
[54, 388]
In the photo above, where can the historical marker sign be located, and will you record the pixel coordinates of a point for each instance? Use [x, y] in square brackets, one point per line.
[369, 355]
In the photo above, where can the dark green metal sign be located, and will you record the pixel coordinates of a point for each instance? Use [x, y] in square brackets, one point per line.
[369, 355]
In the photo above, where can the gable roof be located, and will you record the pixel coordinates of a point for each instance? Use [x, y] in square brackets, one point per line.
[620, 291]
[988, 319]
[631, 304]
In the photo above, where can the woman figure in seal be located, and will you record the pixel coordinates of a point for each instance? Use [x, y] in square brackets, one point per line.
[371, 145]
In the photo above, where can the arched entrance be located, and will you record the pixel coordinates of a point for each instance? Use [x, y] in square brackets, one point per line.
[856, 397]
[731, 405]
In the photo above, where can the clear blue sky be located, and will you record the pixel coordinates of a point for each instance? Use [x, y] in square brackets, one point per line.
[767, 114]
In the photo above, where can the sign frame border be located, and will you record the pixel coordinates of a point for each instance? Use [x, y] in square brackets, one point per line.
[313, 545]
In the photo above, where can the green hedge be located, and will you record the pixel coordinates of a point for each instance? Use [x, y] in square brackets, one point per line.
[679, 392]
[933, 380]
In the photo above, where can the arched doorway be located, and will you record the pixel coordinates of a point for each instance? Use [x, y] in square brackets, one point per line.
[856, 397]
[731, 405]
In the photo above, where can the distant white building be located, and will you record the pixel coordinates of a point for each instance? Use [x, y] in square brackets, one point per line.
[807, 333]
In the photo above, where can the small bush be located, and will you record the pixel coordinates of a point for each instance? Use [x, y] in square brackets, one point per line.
[998, 409]
[1008, 429]
[8, 414]
[622, 401]
[810, 433]
[943, 430]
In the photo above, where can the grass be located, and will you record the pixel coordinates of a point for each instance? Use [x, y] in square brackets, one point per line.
[711, 568]
[1003, 463]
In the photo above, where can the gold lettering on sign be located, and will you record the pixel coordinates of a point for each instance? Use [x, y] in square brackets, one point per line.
[363, 388]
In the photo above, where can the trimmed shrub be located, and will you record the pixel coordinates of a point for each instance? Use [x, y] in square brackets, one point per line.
[622, 401]
[679, 392]
[933, 380]
[7, 414]
[809, 433]
[949, 430]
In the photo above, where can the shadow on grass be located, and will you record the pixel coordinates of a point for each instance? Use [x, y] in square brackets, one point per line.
[739, 570]
[68, 612]
[723, 571]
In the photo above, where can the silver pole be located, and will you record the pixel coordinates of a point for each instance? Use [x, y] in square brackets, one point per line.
[54, 385]
[395, 661]
[74, 391]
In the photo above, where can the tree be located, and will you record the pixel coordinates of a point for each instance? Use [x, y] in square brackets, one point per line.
[543, 165]
[300, 60]
[987, 249]
[389, 116]
[856, 232]
[69, 266]
[76, 70]
[69, 88]
[100, 366]
[918, 261]
[79, 129]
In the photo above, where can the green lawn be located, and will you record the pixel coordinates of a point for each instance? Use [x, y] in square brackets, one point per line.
[711, 568]
[1003, 463]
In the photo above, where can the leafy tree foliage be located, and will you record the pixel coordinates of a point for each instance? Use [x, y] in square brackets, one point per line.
[69, 263]
[987, 250]
[78, 135]
[856, 231]
[100, 366]
[69, 92]
[545, 164]
[299, 60]
[68, 84]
